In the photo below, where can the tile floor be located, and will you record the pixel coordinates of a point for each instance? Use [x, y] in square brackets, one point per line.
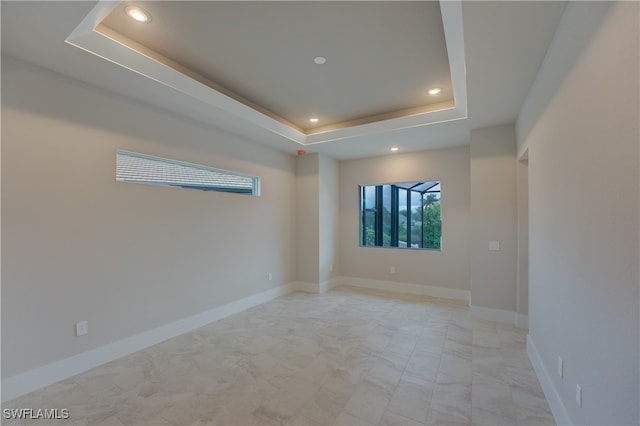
[347, 357]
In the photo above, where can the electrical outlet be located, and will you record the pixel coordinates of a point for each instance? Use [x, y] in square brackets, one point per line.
[82, 328]
[579, 396]
[560, 366]
[392, 269]
[270, 276]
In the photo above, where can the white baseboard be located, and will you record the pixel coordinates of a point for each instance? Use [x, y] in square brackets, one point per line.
[497, 315]
[522, 321]
[314, 288]
[29, 381]
[558, 409]
[328, 285]
[500, 315]
[305, 287]
[422, 290]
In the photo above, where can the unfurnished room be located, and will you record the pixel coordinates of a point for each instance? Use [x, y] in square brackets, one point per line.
[311, 213]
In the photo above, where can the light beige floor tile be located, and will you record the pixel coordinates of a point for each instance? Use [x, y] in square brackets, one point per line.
[425, 366]
[394, 359]
[456, 366]
[345, 419]
[204, 422]
[282, 405]
[452, 347]
[445, 418]
[402, 344]
[450, 404]
[488, 373]
[349, 356]
[447, 379]
[531, 398]
[325, 405]
[535, 418]
[410, 329]
[304, 421]
[486, 418]
[493, 398]
[412, 397]
[392, 419]
[385, 374]
[368, 402]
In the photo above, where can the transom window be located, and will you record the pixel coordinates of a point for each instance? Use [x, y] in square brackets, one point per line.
[142, 168]
[401, 215]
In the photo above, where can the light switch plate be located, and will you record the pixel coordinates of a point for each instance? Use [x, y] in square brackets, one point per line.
[82, 328]
[579, 396]
[560, 367]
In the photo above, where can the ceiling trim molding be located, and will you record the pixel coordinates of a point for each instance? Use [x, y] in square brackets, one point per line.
[90, 37]
[440, 116]
[454, 38]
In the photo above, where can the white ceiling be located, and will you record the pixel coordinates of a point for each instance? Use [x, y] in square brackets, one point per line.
[502, 48]
[381, 56]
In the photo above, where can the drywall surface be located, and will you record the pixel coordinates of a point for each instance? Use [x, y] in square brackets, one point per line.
[580, 127]
[77, 245]
[329, 231]
[307, 218]
[448, 268]
[493, 218]
[316, 220]
[523, 238]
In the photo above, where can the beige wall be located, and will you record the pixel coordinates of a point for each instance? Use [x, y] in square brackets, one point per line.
[317, 220]
[329, 227]
[523, 237]
[77, 245]
[448, 268]
[307, 219]
[580, 127]
[493, 218]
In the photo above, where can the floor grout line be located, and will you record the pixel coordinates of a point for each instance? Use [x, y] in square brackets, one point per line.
[342, 335]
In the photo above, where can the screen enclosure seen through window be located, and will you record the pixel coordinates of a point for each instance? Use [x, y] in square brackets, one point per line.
[401, 215]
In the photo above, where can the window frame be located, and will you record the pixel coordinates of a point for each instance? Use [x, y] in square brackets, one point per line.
[394, 231]
[155, 178]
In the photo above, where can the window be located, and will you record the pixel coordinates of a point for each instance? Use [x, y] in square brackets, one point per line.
[141, 168]
[402, 215]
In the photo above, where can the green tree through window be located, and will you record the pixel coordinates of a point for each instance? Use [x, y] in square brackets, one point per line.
[431, 222]
[402, 215]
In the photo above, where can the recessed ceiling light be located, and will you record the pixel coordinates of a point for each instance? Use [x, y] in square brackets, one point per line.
[434, 91]
[138, 14]
[319, 60]
[394, 149]
[314, 119]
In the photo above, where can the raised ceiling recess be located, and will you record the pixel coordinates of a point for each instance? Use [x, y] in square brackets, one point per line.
[258, 61]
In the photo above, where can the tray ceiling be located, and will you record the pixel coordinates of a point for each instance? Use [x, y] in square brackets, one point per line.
[493, 56]
[381, 57]
[256, 60]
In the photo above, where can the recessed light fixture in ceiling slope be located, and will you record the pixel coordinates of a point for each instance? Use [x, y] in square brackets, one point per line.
[138, 14]
[94, 36]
